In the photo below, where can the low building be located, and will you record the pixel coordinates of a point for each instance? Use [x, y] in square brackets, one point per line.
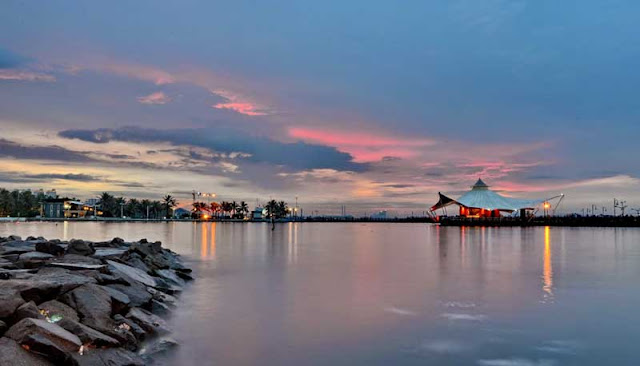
[258, 213]
[65, 208]
[481, 202]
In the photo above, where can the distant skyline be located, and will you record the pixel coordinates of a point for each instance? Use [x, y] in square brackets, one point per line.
[369, 104]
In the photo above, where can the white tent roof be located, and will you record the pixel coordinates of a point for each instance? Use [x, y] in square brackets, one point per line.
[480, 196]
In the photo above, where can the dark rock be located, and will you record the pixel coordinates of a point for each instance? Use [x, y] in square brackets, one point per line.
[184, 276]
[28, 310]
[119, 301]
[45, 338]
[3, 328]
[78, 259]
[165, 298]
[134, 328]
[137, 293]
[47, 284]
[10, 300]
[88, 336]
[158, 347]
[12, 354]
[17, 247]
[15, 237]
[149, 322]
[159, 308]
[170, 276]
[136, 262]
[78, 266]
[117, 241]
[146, 249]
[108, 357]
[93, 304]
[132, 273]
[50, 247]
[105, 279]
[110, 253]
[55, 307]
[33, 259]
[80, 247]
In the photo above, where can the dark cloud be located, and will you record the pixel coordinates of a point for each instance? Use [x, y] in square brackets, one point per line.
[52, 152]
[70, 176]
[299, 155]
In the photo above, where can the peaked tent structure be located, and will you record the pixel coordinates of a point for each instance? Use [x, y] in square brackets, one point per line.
[480, 201]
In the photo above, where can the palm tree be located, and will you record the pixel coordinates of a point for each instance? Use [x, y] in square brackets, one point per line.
[119, 203]
[146, 207]
[226, 207]
[282, 209]
[107, 203]
[215, 208]
[132, 208]
[243, 209]
[169, 202]
[272, 208]
[233, 207]
[156, 207]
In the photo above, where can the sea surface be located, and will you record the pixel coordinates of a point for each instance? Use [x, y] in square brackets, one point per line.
[395, 294]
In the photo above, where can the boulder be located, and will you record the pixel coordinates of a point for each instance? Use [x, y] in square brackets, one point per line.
[149, 322]
[45, 338]
[15, 237]
[88, 336]
[159, 308]
[28, 310]
[48, 284]
[132, 273]
[132, 326]
[10, 300]
[33, 259]
[50, 247]
[105, 279]
[17, 247]
[170, 276]
[108, 357]
[109, 253]
[55, 307]
[78, 266]
[75, 258]
[93, 304]
[3, 328]
[119, 300]
[136, 262]
[146, 249]
[12, 354]
[137, 293]
[157, 347]
[80, 247]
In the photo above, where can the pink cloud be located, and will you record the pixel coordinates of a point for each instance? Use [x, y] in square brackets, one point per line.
[154, 98]
[240, 107]
[364, 147]
[25, 76]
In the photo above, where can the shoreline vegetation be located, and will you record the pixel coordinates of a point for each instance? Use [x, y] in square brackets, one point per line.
[79, 302]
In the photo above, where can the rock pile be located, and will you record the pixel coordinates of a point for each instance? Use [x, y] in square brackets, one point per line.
[86, 303]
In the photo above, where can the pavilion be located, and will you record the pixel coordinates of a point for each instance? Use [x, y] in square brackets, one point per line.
[481, 202]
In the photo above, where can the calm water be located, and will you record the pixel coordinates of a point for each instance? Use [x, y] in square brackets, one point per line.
[402, 294]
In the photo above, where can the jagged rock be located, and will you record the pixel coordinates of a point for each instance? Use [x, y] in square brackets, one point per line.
[134, 328]
[110, 253]
[158, 347]
[12, 354]
[33, 259]
[108, 357]
[28, 310]
[117, 241]
[170, 276]
[105, 279]
[80, 247]
[78, 259]
[50, 247]
[149, 322]
[132, 273]
[146, 249]
[55, 307]
[136, 262]
[93, 304]
[165, 298]
[17, 247]
[45, 338]
[18, 274]
[78, 266]
[136, 292]
[159, 308]
[119, 300]
[88, 335]
[10, 300]
[15, 237]
[47, 284]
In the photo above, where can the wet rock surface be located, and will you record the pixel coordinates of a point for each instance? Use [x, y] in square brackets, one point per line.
[86, 303]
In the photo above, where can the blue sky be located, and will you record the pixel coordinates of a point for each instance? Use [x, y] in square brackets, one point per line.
[374, 104]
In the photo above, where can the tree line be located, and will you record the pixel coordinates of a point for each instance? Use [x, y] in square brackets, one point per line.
[112, 206]
[18, 203]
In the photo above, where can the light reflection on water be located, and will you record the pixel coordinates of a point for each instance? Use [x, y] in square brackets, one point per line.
[408, 294]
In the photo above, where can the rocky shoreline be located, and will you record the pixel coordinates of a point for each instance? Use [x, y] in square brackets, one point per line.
[86, 303]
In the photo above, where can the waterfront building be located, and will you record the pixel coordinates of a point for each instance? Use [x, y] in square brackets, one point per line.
[482, 202]
[65, 208]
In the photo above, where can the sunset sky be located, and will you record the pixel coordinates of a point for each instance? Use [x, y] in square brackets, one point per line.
[370, 104]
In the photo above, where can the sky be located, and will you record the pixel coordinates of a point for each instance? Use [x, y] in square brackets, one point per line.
[374, 105]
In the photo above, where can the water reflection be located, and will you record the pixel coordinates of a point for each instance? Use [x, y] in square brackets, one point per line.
[547, 268]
